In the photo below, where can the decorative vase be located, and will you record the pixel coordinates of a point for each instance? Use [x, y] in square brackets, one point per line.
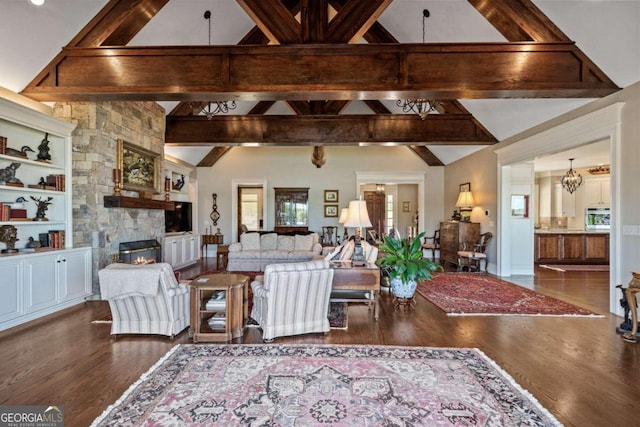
[402, 289]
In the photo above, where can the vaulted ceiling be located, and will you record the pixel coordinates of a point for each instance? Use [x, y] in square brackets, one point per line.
[333, 63]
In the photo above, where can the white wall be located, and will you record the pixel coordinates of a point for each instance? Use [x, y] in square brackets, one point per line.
[291, 167]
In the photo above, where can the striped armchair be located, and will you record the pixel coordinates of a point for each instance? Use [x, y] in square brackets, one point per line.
[292, 299]
[145, 299]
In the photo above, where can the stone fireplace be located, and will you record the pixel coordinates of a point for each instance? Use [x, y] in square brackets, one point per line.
[140, 252]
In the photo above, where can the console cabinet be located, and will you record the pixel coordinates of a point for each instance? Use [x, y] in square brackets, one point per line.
[181, 250]
[452, 235]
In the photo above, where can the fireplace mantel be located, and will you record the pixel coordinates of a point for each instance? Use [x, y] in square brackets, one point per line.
[137, 203]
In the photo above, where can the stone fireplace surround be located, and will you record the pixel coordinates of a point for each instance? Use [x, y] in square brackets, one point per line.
[94, 156]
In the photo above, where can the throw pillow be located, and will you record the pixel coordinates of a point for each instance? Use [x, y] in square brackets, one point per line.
[285, 243]
[250, 241]
[303, 243]
[269, 241]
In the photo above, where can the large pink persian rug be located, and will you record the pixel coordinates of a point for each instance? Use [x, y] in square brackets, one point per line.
[473, 294]
[318, 385]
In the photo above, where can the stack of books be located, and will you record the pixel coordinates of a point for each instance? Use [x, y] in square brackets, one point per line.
[52, 239]
[217, 321]
[9, 213]
[217, 301]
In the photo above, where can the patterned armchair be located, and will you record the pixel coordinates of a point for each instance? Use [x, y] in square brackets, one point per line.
[292, 299]
[145, 299]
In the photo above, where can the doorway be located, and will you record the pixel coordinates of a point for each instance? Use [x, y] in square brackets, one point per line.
[376, 209]
[250, 201]
[248, 206]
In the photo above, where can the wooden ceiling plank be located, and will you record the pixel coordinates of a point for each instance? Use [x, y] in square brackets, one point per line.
[354, 19]
[519, 20]
[300, 107]
[323, 129]
[274, 19]
[261, 107]
[322, 72]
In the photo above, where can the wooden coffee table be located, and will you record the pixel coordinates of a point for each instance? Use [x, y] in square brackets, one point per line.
[233, 310]
[356, 284]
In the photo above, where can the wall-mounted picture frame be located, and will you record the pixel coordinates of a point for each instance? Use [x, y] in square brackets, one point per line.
[139, 167]
[520, 206]
[330, 211]
[331, 196]
[465, 187]
[406, 206]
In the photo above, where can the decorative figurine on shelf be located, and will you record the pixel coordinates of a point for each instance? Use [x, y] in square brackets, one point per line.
[179, 183]
[43, 149]
[18, 153]
[43, 205]
[42, 183]
[32, 243]
[456, 216]
[215, 216]
[9, 236]
[8, 174]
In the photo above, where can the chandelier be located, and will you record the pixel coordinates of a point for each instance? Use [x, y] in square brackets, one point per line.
[216, 107]
[572, 179]
[420, 106]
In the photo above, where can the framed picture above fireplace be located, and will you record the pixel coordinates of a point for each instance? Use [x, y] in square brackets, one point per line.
[139, 167]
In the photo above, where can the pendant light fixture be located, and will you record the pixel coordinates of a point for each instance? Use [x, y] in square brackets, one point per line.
[572, 179]
[216, 107]
[420, 106]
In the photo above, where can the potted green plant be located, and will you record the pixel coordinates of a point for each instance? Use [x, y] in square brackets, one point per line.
[405, 264]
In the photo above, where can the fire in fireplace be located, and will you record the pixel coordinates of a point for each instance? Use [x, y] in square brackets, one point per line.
[140, 252]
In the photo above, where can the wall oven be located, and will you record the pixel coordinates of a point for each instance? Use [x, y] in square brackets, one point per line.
[597, 219]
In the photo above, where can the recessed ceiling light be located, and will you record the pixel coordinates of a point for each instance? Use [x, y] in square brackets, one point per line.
[37, 2]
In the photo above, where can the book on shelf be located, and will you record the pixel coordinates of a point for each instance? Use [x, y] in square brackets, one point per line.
[57, 181]
[53, 239]
[3, 145]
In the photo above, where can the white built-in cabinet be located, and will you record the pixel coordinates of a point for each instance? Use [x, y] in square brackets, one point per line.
[181, 250]
[41, 281]
[597, 191]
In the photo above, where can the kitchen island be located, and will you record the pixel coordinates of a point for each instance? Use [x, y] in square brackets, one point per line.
[561, 246]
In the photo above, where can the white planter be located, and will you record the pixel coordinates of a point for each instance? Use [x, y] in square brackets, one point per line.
[402, 289]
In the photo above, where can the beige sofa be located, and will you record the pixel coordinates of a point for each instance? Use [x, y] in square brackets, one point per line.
[256, 250]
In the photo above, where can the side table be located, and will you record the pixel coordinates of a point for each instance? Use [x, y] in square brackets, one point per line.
[222, 256]
[210, 239]
[230, 313]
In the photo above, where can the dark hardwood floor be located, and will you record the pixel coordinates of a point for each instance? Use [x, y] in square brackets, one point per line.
[578, 368]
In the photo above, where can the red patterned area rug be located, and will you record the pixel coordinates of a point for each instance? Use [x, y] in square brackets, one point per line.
[575, 267]
[477, 294]
[313, 385]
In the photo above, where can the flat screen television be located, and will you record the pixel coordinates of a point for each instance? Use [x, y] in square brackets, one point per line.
[178, 220]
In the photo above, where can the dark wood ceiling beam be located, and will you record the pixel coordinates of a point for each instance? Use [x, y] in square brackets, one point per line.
[314, 20]
[117, 23]
[426, 155]
[256, 36]
[354, 19]
[261, 107]
[349, 129]
[519, 20]
[274, 19]
[323, 72]
[213, 156]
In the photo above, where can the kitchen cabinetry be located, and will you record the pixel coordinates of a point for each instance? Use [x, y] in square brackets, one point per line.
[452, 235]
[181, 250]
[597, 192]
[42, 283]
[572, 248]
[564, 202]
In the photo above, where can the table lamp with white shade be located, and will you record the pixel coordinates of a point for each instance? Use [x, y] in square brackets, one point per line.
[344, 214]
[358, 217]
[465, 203]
